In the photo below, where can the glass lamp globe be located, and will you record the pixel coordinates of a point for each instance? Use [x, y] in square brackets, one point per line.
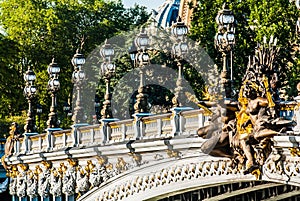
[78, 60]
[142, 40]
[53, 68]
[29, 76]
[107, 52]
[179, 29]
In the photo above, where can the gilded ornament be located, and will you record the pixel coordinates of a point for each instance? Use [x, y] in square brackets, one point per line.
[121, 165]
[102, 160]
[295, 151]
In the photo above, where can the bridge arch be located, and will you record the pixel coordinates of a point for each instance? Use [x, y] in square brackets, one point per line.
[170, 177]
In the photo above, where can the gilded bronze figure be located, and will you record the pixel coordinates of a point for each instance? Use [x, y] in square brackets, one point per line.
[243, 130]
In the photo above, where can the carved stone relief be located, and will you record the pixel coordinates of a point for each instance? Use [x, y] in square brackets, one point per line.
[44, 179]
[32, 183]
[21, 180]
[69, 178]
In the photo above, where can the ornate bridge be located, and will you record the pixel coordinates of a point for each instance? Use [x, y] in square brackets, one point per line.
[146, 158]
[249, 152]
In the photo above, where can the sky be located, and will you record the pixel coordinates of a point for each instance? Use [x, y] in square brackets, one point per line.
[150, 4]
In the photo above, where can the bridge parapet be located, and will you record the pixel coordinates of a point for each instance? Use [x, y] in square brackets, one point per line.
[283, 164]
[92, 159]
[150, 127]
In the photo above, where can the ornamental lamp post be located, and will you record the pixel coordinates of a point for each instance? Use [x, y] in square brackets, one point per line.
[78, 78]
[225, 17]
[107, 70]
[132, 52]
[224, 43]
[179, 29]
[107, 52]
[29, 93]
[142, 59]
[66, 108]
[297, 2]
[179, 50]
[142, 40]
[53, 87]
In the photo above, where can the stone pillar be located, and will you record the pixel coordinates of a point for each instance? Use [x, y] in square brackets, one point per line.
[176, 120]
[50, 137]
[104, 129]
[138, 124]
[75, 133]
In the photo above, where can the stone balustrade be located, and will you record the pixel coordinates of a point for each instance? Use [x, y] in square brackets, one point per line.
[115, 146]
[179, 122]
[108, 150]
[148, 127]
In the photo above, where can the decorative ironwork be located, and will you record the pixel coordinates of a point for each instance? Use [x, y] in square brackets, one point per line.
[224, 42]
[108, 69]
[53, 87]
[30, 93]
[141, 59]
[179, 30]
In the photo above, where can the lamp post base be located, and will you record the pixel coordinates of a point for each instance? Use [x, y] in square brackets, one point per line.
[176, 119]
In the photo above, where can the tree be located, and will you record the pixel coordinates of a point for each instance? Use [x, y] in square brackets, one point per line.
[256, 19]
[42, 29]
[10, 78]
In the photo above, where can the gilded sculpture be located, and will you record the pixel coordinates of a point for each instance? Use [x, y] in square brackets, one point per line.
[14, 135]
[243, 129]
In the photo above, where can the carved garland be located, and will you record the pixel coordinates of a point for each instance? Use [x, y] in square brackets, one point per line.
[287, 170]
[167, 176]
[67, 179]
[275, 168]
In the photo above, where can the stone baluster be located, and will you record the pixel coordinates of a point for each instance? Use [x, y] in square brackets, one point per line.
[17, 147]
[50, 140]
[201, 120]
[75, 132]
[105, 130]
[159, 126]
[28, 142]
[138, 124]
[177, 120]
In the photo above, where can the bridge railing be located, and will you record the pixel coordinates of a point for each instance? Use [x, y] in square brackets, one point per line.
[108, 132]
[149, 127]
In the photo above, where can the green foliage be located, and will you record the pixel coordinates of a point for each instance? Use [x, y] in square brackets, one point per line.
[10, 78]
[256, 19]
[6, 123]
[37, 30]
